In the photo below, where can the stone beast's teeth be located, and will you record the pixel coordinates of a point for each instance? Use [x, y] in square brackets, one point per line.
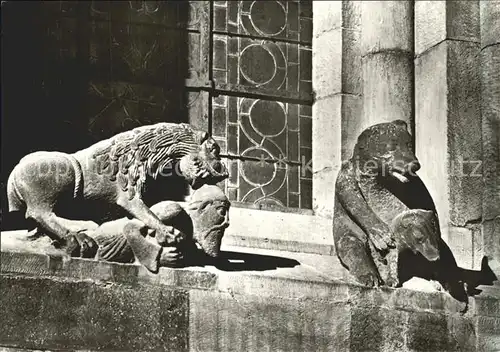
[398, 176]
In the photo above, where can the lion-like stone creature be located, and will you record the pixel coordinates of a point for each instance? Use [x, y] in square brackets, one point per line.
[113, 171]
[377, 194]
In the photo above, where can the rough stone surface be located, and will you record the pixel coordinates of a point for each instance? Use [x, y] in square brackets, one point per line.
[436, 21]
[45, 313]
[269, 226]
[387, 87]
[430, 24]
[447, 100]
[430, 131]
[224, 322]
[352, 123]
[491, 229]
[376, 329]
[352, 76]
[203, 309]
[327, 63]
[462, 20]
[467, 245]
[488, 333]
[464, 132]
[387, 26]
[490, 79]
[490, 22]
[326, 152]
[327, 16]
[490, 94]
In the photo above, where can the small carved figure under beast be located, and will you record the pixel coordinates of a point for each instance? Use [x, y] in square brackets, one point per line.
[202, 224]
[384, 214]
[114, 172]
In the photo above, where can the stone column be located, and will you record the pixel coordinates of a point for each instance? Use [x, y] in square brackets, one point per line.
[448, 119]
[337, 83]
[490, 94]
[387, 60]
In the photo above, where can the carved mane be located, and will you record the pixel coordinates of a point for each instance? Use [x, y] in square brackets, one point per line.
[129, 157]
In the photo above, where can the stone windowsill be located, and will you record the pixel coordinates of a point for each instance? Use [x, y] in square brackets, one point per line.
[275, 230]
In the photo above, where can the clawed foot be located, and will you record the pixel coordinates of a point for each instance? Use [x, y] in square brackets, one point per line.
[80, 245]
[369, 279]
[391, 282]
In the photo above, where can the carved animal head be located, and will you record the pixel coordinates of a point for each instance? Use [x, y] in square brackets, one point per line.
[418, 230]
[209, 211]
[386, 149]
[203, 166]
[155, 150]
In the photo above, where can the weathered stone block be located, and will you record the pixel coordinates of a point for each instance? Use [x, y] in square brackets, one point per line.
[327, 63]
[427, 332]
[430, 131]
[464, 131]
[376, 329]
[352, 74]
[490, 230]
[223, 322]
[327, 16]
[326, 161]
[466, 245]
[387, 87]
[430, 24]
[448, 113]
[387, 25]
[488, 330]
[461, 333]
[462, 20]
[352, 123]
[490, 107]
[490, 22]
[62, 314]
[436, 21]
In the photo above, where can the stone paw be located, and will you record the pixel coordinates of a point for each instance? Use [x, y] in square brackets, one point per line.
[392, 282]
[80, 245]
[369, 279]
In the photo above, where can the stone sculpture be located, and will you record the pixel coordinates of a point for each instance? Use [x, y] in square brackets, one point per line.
[383, 212]
[114, 172]
[202, 224]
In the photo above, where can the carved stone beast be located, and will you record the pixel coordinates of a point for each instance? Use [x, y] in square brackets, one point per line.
[113, 171]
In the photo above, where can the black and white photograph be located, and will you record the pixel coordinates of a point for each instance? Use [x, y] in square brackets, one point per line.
[290, 175]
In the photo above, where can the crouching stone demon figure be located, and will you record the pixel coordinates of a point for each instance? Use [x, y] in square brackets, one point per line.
[202, 225]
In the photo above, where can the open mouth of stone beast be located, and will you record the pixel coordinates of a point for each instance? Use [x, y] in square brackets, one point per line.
[399, 175]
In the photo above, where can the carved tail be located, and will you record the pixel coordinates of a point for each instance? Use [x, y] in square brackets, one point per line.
[14, 198]
[78, 174]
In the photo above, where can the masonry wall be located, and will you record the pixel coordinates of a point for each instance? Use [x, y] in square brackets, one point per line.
[54, 304]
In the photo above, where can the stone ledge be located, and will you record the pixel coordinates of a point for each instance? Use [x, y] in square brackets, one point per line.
[279, 274]
[270, 299]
